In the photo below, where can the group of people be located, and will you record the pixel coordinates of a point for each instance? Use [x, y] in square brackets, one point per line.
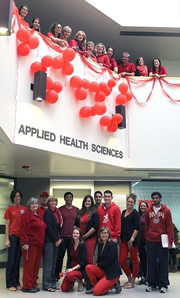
[91, 236]
[99, 53]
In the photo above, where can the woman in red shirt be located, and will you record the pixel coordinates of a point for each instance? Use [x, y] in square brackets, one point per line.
[141, 68]
[113, 62]
[79, 42]
[66, 32]
[55, 34]
[158, 70]
[101, 56]
[88, 220]
[89, 51]
[23, 12]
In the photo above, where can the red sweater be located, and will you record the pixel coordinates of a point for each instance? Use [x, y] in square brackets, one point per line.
[32, 229]
[111, 218]
[156, 225]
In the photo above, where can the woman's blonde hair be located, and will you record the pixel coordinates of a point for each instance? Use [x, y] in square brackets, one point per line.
[101, 231]
[51, 198]
[104, 48]
[84, 39]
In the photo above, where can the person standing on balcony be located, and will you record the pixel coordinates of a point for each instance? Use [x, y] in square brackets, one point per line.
[126, 68]
[157, 70]
[101, 55]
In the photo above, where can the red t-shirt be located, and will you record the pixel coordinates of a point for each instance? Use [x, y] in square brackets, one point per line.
[161, 72]
[83, 222]
[104, 59]
[69, 216]
[129, 67]
[74, 257]
[113, 63]
[14, 214]
[41, 211]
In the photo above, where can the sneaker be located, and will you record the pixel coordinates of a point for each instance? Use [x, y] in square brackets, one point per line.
[149, 289]
[163, 290]
[90, 291]
[118, 287]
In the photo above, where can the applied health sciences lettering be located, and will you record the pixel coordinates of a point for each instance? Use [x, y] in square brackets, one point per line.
[36, 132]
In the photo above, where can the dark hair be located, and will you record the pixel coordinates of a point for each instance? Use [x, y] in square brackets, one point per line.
[36, 18]
[146, 203]
[159, 64]
[98, 191]
[20, 8]
[52, 29]
[13, 194]
[156, 193]
[83, 210]
[110, 48]
[137, 60]
[132, 196]
[102, 230]
[108, 191]
[80, 235]
[68, 193]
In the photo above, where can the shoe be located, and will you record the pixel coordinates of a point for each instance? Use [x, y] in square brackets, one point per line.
[50, 290]
[118, 287]
[33, 290]
[12, 289]
[163, 290]
[37, 289]
[90, 291]
[149, 289]
[19, 288]
[80, 285]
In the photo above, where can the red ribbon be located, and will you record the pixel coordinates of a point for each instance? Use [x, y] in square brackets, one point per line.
[140, 82]
[171, 84]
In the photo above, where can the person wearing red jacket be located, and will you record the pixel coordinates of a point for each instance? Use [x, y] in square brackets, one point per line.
[110, 216]
[32, 237]
[101, 56]
[158, 221]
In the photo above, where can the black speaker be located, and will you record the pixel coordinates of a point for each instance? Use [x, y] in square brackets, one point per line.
[121, 110]
[39, 88]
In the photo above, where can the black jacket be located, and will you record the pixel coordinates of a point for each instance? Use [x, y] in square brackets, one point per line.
[92, 223]
[82, 257]
[53, 229]
[108, 260]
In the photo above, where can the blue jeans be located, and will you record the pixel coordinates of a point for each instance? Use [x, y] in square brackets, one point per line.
[13, 263]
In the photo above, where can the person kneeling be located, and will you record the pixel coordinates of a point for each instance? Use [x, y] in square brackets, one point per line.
[105, 275]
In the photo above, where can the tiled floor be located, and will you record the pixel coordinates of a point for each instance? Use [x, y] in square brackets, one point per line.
[137, 292]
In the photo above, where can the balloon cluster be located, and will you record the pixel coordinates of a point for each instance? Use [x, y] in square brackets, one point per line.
[124, 95]
[29, 41]
[52, 90]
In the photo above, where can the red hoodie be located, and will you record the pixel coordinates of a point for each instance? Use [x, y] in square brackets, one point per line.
[156, 225]
[110, 217]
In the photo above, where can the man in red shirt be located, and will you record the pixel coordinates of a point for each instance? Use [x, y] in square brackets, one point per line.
[158, 221]
[43, 203]
[126, 68]
[69, 213]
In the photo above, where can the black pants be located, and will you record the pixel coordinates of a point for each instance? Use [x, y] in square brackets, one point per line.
[13, 263]
[61, 252]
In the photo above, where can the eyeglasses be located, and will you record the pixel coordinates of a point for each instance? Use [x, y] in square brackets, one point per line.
[25, 9]
[103, 233]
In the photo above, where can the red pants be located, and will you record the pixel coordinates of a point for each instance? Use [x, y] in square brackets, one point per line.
[90, 245]
[69, 279]
[32, 259]
[98, 280]
[134, 259]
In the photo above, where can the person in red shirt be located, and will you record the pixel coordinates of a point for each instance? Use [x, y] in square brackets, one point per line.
[110, 216]
[23, 12]
[101, 56]
[69, 213]
[13, 217]
[89, 51]
[158, 221]
[141, 68]
[113, 62]
[55, 35]
[43, 203]
[158, 70]
[32, 235]
[126, 68]
[36, 24]
[79, 42]
[66, 32]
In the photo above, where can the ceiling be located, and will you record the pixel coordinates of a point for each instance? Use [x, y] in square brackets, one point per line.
[79, 15]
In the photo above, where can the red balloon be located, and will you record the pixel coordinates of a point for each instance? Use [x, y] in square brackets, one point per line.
[93, 87]
[128, 95]
[57, 86]
[67, 69]
[108, 91]
[81, 93]
[111, 83]
[75, 82]
[23, 49]
[117, 118]
[85, 112]
[23, 35]
[85, 83]
[123, 88]
[112, 127]
[36, 66]
[99, 108]
[49, 83]
[92, 112]
[47, 61]
[102, 87]
[121, 99]
[100, 96]
[69, 54]
[51, 96]
[33, 42]
[58, 62]
[105, 121]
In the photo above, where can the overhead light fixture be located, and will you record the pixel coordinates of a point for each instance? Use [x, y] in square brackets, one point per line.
[5, 17]
[39, 87]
